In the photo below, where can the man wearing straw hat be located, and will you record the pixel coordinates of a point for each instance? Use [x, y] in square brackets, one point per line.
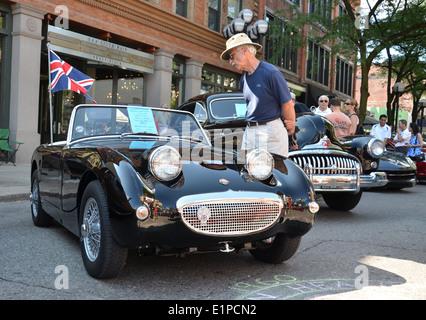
[267, 95]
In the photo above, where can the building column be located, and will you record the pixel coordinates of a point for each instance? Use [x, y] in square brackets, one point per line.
[194, 69]
[25, 79]
[159, 84]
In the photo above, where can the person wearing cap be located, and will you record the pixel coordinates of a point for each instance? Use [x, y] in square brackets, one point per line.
[267, 96]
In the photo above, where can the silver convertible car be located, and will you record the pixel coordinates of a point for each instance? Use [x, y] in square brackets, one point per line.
[149, 179]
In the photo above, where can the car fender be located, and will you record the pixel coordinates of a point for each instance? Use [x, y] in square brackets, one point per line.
[395, 161]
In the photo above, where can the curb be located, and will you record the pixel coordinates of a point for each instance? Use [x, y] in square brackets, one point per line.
[15, 197]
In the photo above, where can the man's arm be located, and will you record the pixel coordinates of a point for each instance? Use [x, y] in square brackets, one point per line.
[398, 137]
[289, 116]
[388, 133]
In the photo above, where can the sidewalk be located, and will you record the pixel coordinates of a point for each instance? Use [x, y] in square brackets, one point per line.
[15, 182]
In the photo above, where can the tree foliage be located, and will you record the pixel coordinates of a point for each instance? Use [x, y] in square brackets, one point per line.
[360, 33]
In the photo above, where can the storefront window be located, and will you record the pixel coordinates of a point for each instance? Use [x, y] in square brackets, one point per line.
[178, 80]
[102, 88]
[129, 90]
[2, 20]
[217, 81]
[116, 86]
[5, 56]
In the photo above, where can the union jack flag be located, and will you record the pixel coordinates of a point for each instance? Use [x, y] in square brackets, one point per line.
[65, 77]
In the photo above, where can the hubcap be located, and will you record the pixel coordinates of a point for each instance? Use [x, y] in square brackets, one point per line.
[91, 229]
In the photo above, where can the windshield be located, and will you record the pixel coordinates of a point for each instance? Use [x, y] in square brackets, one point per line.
[228, 109]
[90, 121]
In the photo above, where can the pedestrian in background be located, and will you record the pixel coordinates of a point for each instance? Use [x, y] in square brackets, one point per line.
[351, 108]
[323, 108]
[381, 130]
[416, 142]
[402, 137]
[341, 122]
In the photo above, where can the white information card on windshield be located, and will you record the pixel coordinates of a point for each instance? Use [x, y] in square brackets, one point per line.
[142, 120]
[241, 109]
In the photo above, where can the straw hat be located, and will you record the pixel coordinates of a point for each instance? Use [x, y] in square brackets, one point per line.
[237, 40]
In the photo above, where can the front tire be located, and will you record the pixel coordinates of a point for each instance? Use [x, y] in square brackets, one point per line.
[102, 256]
[343, 201]
[281, 249]
[39, 216]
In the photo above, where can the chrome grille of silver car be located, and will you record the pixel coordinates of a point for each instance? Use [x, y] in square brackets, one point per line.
[326, 164]
[232, 217]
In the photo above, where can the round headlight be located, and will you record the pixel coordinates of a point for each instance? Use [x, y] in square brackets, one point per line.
[375, 148]
[165, 163]
[260, 164]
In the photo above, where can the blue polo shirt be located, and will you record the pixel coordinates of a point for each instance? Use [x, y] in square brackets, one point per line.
[265, 91]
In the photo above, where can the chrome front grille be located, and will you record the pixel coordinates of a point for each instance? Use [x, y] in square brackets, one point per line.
[326, 164]
[231, 216]
[330, 172]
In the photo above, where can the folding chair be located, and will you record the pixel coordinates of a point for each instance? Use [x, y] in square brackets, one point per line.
[6, 152]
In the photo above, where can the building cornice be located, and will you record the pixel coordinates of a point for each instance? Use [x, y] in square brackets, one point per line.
[162, 21]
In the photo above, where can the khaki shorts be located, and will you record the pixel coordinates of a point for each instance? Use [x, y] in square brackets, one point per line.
[271, 137]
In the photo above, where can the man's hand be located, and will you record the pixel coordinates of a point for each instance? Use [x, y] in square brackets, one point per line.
[290, 126]
[292, 141]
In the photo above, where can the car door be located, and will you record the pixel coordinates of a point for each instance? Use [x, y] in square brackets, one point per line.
[50, 178]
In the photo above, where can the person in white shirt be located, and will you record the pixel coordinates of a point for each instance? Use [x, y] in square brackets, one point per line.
[381, 130]
[323, 108]
[402, 137]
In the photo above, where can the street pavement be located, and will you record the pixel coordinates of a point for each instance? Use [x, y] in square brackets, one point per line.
[375, 251]
[14, 182]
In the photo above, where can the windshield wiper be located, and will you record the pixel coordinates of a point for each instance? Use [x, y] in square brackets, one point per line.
[138, 133]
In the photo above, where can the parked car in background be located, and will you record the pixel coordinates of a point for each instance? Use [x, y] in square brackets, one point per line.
[416, 171]
[339, 171]
[421, 168]
[401, 170]
[149, 179]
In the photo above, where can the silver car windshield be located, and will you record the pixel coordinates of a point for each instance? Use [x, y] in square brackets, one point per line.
[96, 121]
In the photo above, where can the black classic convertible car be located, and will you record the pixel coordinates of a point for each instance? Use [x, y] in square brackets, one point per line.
[149, 179]
[339, 171]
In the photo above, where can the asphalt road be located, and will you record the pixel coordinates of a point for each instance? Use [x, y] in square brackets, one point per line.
[376, 251]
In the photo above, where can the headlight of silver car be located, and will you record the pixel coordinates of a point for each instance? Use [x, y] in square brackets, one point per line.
[260, 164]
[165, 163]
[375, 148]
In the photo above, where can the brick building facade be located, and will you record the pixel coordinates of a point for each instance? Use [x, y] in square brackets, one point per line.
[377, 88]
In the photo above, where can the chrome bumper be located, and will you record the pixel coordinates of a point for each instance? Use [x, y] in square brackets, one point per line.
[374, 180]
[328, 183]
[349, 182]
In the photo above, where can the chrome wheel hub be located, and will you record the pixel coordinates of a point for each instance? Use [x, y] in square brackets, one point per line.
[34, 198]
[91, 229]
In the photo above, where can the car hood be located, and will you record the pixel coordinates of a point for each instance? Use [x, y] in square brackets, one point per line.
[202, 173]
